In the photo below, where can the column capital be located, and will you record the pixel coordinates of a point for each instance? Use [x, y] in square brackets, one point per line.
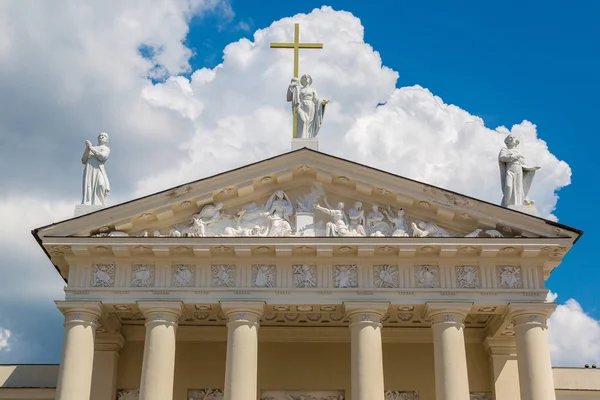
[161, 311]
[360, 312]
[80, 312]
[521, 314]
[255, 308]
[447, 313]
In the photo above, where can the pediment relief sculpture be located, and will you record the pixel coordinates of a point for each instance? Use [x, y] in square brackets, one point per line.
[308, 213]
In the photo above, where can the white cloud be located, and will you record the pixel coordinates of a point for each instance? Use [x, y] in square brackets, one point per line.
[4, 340]
[574, 336]
[76, 67]
[239, 115]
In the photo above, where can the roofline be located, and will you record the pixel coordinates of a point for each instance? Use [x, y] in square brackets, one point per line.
[306, 149]
[35, 232]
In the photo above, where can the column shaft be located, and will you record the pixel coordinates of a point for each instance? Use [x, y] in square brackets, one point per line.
[77, 360]
[367, 353]
[451, 376]
[533, 355]
[241, 369]
[158, 367]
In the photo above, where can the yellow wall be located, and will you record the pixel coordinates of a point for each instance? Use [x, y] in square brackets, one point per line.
[303, 366]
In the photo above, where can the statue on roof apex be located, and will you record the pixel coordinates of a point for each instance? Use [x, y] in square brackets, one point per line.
[308, 108]
[95, 181]
[516, 176]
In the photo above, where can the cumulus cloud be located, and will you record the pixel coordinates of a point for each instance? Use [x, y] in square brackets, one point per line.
[4, 340]
[70, 70]
[239, 115]
[574, 336]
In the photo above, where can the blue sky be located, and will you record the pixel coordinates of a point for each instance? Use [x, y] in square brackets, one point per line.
[503, 61]
[70, 70]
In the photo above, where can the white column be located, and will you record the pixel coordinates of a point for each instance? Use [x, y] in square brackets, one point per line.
[77, 360]
[504, 367]
[158, 367]
[106, 358]
[447, 323]
[241, 368]
[533, 354]
[367, 353]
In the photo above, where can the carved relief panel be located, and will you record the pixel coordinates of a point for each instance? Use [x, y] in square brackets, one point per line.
[467, 276]
[427, 276]
[509, 277]
[386, 276]
[142, 275]
[205, 394]
[304, 276]
[223, 275]
[126, 394]
[345, 276]
[401, 395]
[183, 275]
[302, 395]
[264, 276]
[103, 275]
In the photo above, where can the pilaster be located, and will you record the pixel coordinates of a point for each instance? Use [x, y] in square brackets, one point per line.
[502, 353]
[106, 357]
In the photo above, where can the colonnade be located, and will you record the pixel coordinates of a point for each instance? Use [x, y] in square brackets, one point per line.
[367, 380]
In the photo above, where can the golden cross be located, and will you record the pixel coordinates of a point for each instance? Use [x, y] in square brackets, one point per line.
[296, 45]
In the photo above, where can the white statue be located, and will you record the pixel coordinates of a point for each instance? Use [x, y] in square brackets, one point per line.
[309, 108]
[400, 228]
[338, 226]
[279, 209]
[356, 219]
[375, 222]
[95, 181]
[515, 175]
[425, 229]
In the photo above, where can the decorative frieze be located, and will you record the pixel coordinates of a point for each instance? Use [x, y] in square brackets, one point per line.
[304, 276]
[481, 396]
[385, 276]
[302, 395]
[401, 395]
[427, 276]
[223, 275]
[127, 394]
[467, 276]
[205, 394]
[142, 275]
[264, 276]
[509, 277]
[183, 275]
[103, 275]
[345, 276]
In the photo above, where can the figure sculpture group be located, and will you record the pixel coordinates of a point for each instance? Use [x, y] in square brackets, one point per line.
[276, 219]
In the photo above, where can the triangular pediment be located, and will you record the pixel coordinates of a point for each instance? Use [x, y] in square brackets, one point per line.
[236, 203]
